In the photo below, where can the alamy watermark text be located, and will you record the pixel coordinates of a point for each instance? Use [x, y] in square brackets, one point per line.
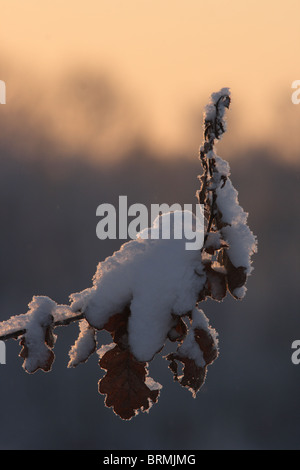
[2, 92]
[2, 353]
[296, 94]
[166, 222]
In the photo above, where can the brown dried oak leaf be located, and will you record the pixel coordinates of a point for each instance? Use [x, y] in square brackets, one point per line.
[42, 360]
[124, 383]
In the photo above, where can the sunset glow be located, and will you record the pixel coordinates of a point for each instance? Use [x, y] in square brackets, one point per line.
[163, 57]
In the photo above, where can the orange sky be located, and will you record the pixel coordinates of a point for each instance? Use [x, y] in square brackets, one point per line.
[166, 55]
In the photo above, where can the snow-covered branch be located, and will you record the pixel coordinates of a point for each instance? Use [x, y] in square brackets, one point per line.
[149, 292]
[17, 325]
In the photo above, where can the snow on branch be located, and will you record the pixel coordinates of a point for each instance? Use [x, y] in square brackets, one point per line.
[158, 278]
[17, 325]
[149, 292]
[229, 242]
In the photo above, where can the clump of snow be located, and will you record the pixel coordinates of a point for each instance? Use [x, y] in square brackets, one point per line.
[156, 277]
[15, 323]
[240, 292]
[213, 240]
[178, 225]
[105, 348]
[84, 346]
[152, 384]
[190, 348]
[41, 310]
[62, 314]
[210, 109]
[18, 323]
[242, 242]
[222, 166]
[227, 200]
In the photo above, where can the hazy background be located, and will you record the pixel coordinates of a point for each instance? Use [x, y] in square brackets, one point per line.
[106, 99]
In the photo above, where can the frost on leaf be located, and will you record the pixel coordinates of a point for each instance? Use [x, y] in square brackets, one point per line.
[38, 341]
[197, 351]
[127, 387]
[125, 384]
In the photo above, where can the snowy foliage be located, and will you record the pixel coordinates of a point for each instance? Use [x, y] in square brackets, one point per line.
[149, 292]
[38, 339]
[157, 278]
[84, 346]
